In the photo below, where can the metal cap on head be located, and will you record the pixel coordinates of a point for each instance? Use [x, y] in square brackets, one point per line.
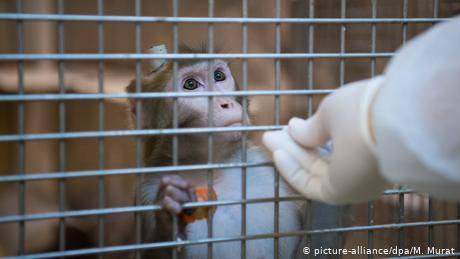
[156, 64]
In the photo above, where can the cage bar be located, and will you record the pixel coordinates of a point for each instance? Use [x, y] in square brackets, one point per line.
[101, 110]
[276, 181]
[136, 247]
[343, 30]
[211, 87]
[132, 56]
[120, 133]
[175, 111]
[151, 95]
[62, 129]
[174, 19]
[371, 205]
[401, 211]
[124, 171]
[21, 130]
[244, 31]
[310, 86]
[138, 126]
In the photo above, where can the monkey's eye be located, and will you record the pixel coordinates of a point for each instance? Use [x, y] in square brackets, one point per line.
[190, 84]
[219, 76]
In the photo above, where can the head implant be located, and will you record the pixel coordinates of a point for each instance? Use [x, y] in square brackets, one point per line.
[157, 64]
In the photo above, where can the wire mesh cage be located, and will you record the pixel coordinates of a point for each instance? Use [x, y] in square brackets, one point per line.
[72, 165]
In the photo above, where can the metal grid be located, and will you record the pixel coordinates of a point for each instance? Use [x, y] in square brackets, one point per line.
[21, 97]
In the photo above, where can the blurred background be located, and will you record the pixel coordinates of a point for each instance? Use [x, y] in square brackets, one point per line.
[42, 116]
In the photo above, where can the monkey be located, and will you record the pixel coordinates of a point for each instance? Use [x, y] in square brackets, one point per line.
[171, 190]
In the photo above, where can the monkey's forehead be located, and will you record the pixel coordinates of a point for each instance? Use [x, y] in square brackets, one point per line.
[203, 65]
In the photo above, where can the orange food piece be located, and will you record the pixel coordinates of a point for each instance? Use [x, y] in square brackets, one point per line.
[201, 193]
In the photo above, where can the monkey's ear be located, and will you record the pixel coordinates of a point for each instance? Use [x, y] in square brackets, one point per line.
[134, 113]
[132, 107]
[131, 88]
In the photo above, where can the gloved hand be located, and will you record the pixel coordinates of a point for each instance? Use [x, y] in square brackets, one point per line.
[351, 173]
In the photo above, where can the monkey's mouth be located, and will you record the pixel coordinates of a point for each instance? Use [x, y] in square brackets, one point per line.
[234, 124]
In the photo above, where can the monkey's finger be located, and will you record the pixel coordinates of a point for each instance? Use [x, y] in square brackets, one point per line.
[303, 180]
[171, 205]
[192, 193]
[309, 133]
[280, 140]
[177, 194]
[175, 180]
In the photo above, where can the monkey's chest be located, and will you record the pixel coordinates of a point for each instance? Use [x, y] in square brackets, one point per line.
[257, 218]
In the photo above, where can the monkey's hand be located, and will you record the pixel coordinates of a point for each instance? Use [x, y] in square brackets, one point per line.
[351, 173]
[172, 193]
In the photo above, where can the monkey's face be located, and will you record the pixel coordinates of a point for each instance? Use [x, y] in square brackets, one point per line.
[194, 111]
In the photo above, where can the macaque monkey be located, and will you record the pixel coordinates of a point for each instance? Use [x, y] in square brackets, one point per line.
[172, 190]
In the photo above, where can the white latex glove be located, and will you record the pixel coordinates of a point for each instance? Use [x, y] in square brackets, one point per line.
[416, 114]
[413, 117]
[351, 174]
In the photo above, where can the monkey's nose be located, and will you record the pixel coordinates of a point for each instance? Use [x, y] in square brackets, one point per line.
[226, 105]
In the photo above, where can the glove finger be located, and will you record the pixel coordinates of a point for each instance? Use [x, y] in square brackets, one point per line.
[302, 180]
[309, 133]
[280, 140]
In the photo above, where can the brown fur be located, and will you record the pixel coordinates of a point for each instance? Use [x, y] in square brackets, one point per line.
[156, 113]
